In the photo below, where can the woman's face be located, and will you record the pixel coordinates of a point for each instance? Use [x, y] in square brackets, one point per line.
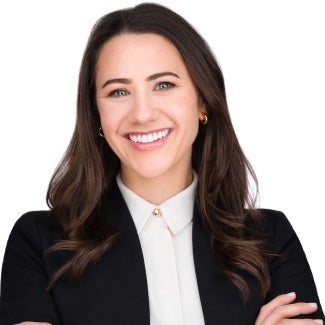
[148, 104]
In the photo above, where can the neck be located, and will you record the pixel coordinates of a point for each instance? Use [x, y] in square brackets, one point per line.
[157, 190]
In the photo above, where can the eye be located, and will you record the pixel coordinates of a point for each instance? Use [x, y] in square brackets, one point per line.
[164, 85]
[118, 93]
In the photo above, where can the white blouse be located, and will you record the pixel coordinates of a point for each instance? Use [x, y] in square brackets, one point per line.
[165, 234]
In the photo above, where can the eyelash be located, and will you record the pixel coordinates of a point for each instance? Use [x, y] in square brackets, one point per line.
[123, 92]
[167, 85]
[117, 93]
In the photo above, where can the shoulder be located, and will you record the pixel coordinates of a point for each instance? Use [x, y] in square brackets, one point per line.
[275, 224]
[32, 221]
[280, 236]
[34, 227]
[287, 262]
[269, 222]
[31, 218]
[26, 270]
[272, 216]
[273, 219]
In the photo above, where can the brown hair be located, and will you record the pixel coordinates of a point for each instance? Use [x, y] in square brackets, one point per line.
[78, 186]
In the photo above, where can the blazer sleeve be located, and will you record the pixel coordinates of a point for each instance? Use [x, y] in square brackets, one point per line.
[24, 278]
[289, 268]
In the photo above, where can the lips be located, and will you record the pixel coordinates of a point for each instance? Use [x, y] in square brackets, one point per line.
[148, 137]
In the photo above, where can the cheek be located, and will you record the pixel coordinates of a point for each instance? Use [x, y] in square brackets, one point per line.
[110, 127]
[187, 118]
[192, 118]
[110, 119]
[189, 113]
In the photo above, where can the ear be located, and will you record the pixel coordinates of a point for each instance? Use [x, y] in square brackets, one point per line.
[202, 107]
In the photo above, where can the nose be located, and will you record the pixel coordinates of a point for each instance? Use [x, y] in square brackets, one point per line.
[143, 109]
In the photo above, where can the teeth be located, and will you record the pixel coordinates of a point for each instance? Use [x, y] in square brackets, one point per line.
[150, 137]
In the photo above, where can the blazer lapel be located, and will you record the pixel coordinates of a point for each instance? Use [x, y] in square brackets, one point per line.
[129, 261]
[221, 300]
[114, 291]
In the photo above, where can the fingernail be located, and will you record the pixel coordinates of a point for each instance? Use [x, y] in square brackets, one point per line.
[312, 304]
[318, 321]
[291, 294]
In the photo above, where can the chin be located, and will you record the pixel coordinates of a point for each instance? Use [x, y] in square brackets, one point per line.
[153, 171]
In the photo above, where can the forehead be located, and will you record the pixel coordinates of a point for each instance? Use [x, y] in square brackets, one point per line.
[135, 52]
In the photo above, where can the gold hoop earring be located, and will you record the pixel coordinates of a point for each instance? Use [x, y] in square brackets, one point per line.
[100, 132]
[204, 121]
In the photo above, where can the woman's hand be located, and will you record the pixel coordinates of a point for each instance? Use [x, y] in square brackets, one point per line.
[281, 309]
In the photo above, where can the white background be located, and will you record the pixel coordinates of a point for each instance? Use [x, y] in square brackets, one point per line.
[272, 55]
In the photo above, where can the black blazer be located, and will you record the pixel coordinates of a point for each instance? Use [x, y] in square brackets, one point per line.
[114, 292]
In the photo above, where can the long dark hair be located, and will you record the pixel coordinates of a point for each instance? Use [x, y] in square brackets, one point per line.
[79, 184]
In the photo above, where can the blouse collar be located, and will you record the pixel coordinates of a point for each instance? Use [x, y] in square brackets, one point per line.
[177, 211]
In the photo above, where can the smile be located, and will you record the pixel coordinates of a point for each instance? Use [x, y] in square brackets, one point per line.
[149, 137]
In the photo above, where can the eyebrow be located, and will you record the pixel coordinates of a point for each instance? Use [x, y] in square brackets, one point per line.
[150, 78]
[161, 74]
[116, 80]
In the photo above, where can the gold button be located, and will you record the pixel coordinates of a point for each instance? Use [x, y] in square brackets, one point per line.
[157, 212]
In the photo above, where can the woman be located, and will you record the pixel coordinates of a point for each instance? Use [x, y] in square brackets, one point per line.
[151, 220]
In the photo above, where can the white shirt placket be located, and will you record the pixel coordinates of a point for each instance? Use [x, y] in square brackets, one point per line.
[163, 283]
